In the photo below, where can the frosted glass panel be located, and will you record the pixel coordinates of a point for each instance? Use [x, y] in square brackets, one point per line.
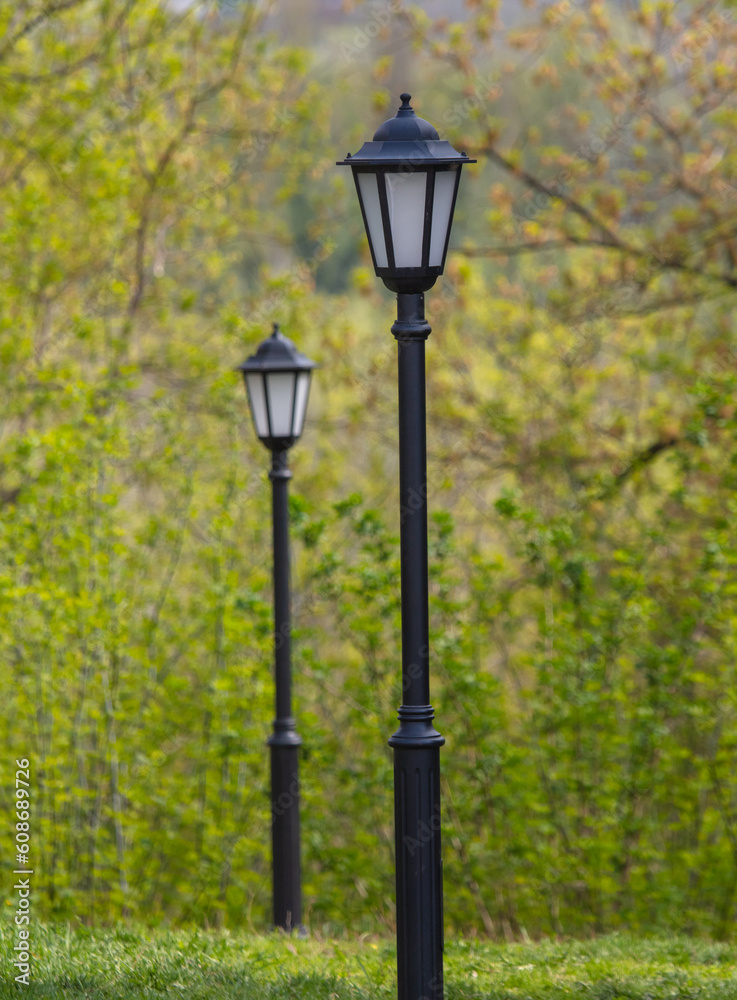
[405, 194]
[372, 208]
[255, 386]
[280, 388]
[303, 391]
[445, 182]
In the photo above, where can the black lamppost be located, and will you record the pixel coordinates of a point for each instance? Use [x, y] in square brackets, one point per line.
[277, 381]
[407, 181]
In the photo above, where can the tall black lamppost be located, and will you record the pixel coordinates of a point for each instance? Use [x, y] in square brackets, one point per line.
[277, 381]
[407, 181]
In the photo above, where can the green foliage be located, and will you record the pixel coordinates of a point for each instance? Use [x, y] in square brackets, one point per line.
[166, 196]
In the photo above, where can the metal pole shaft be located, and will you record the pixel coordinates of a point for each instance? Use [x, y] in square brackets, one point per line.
[416, 743]
[284, 741]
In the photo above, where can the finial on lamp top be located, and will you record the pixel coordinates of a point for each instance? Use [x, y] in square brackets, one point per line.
[277, 351]
[405, 138]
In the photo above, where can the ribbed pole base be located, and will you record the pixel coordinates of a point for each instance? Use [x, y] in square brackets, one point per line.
[419, 873]
[285, 835]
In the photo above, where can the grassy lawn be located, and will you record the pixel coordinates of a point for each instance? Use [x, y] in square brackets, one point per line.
[123, 964]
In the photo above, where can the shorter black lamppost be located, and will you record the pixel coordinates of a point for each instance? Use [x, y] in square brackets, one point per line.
[277, 381]
[407, 180]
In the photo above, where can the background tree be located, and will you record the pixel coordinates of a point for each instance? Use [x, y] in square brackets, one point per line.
[168, 191]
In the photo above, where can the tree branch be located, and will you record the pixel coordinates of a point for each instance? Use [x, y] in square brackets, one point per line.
[49, 11]
[639, 461]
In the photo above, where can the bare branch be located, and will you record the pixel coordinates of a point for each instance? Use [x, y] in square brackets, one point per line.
[639, 461]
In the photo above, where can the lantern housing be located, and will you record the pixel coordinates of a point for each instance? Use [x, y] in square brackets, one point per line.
[277, 381]
[407, 182]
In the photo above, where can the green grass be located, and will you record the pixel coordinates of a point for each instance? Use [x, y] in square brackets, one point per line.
[123, 964]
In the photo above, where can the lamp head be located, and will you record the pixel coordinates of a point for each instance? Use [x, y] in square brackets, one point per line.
[407, 182]
[277, 379]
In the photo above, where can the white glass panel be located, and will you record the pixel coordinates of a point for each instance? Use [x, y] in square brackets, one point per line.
[445, 182]
[255, 386]
[405, 194]
[372, 208]
[303, 390]
[280, 388]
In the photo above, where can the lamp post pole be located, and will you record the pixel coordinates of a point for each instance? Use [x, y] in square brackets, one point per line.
[277, 381]
[416, 744]
[284, 742]
[407, 180]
